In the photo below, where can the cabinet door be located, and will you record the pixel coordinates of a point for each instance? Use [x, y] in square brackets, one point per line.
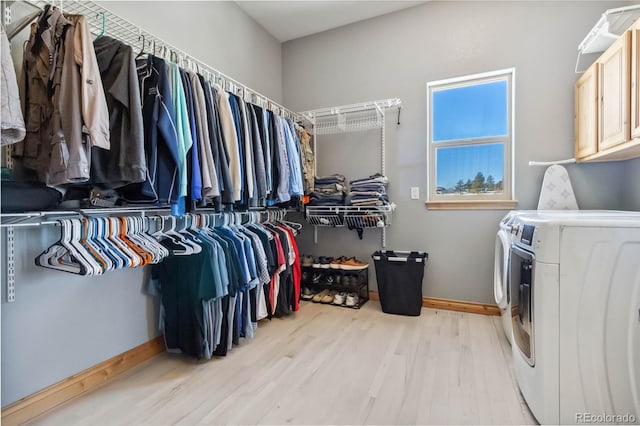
[615, 96]
[635, 80]
[586, 118]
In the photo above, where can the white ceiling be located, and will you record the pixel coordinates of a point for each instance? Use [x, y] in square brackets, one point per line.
[287, 20]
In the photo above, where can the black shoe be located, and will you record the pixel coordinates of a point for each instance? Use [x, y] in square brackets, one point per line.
[325, 262]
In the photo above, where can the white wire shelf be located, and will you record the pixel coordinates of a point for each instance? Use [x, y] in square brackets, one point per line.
[350, 118]
[351, 216]
[120, 28]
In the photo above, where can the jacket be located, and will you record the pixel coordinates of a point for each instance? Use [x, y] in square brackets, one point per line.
[36, 79]
[125, 162]
[231, 141]
[13, 130]
[218, 146]
[161, 146]
[64, 104]
[80, 116]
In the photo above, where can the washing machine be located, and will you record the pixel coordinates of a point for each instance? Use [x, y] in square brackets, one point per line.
[574, 282]
[501, 272]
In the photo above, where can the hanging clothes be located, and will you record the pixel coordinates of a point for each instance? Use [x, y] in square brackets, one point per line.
[247, 148]
[64, 106]
[293, 158]
[241, 271]
[218, 146]
[231, 141]
[125, 162]
[207, 166]
[12, 121]
[194, 175]
[160, 135]
[183, 133]
[307, 158]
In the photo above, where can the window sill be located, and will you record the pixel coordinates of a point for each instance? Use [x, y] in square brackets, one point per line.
[472, 205]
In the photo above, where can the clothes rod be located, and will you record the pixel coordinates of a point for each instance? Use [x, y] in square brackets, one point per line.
[131, 34]
[551, 163]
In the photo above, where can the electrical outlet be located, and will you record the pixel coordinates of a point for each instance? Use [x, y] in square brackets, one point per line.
[415, 193]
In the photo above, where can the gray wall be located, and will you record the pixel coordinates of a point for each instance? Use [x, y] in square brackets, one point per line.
[60, 323]
[218, 33]
[395, 56]
[632, 188]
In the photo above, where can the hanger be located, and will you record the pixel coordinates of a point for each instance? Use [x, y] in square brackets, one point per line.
[105, 263]
[138, 227]
[92, 262]
[186, 247]
[62, 256]
[112, 232]
[125, 236]
[294, 225]
[100, 230]
[104, 24]
[142, 52]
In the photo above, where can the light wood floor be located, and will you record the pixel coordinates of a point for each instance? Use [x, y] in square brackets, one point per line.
[325, 365]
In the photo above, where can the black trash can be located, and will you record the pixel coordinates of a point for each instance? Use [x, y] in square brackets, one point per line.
[399, 275]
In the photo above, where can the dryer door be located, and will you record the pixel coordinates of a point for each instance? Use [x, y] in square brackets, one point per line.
[501, 269]
[521, 277]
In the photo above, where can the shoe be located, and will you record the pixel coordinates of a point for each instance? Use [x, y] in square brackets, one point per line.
[307, 261]
[352, 299]
[320, 296]
[307, 294]
[325, 262]
[305, 276]
[330, 280]
[338, 279]
[346, 281]
[353, 264]
[337, 262]
[339, 298]
[316, 262]
[316, 278]
[328, 298]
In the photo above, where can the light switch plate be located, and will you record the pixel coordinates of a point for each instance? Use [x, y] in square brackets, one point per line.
[415, 193]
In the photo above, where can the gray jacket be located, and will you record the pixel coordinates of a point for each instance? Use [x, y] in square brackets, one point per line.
[12, 121]
[125, 162]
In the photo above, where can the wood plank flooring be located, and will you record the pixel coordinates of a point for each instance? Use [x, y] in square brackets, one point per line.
[324, 365]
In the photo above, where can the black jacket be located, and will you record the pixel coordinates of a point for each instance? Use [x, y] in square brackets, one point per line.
[125, 162]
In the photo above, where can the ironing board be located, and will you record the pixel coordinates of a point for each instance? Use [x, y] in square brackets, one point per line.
[557, 192]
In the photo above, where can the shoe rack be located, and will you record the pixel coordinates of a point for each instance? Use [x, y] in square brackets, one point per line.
[318, 279]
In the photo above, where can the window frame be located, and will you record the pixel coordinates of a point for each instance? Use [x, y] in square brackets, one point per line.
[480, 200]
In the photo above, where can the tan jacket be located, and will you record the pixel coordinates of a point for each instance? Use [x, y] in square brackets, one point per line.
[80, 117]
[94, 104]
[65, 123]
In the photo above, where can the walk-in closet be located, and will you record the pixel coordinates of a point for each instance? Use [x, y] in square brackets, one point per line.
[373, 212]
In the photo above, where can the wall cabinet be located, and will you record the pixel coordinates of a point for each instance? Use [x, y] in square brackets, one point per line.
[587, 113]
[613, 86]
[607, 101]
[635, 80]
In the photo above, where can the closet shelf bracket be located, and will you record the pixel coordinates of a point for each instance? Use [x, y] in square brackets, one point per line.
[11, 264]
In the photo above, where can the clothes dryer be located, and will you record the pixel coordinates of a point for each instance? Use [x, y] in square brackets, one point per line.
[575, 297]
[501, 272]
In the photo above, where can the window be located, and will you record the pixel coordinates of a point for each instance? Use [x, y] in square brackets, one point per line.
[470, 135]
